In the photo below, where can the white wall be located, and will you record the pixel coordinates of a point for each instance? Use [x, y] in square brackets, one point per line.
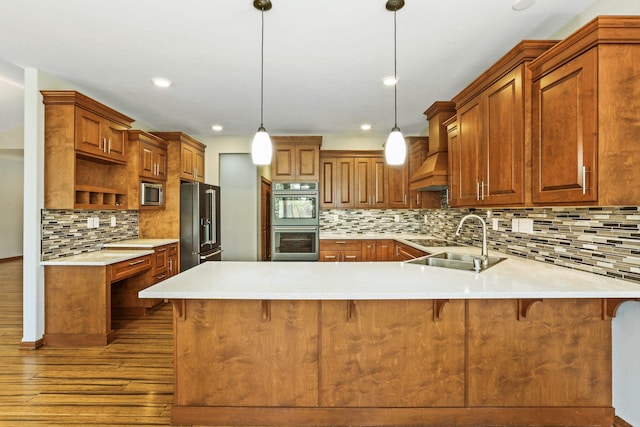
[601, 7]
[11, 172]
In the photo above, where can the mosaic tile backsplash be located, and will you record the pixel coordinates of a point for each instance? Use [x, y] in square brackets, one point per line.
[65, 232]
[600, 240]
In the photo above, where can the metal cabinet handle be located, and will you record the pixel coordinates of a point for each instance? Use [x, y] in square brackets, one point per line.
[104, 145]
[341, 242]
[171, 265]
[109, 149]
[482, 190]
[584, 180]
[162, 249]
[477, 190]
[136, 262]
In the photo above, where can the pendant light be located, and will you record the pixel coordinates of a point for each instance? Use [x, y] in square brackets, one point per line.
[261, 148]
[395, 149]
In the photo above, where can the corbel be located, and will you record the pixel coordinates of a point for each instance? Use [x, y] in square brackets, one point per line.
[438, 305]
[351, 310]
[266, 310]
[179, 309]
[610, 306]
[524, 305]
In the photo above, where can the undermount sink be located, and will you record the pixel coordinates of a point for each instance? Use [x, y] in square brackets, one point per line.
[457, 261]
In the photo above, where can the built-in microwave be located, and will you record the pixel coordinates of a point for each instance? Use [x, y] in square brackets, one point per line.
[151, 194]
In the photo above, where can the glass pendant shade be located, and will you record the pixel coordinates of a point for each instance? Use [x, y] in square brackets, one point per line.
[395, 150]
[261, 149]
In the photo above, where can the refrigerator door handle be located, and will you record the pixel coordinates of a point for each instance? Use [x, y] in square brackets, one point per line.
[211, 254]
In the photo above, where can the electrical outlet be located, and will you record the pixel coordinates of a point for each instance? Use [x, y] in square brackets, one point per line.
[496, 226]
[396, 218]
[489, 214]
[336, 218]
[426, 221]
[113, 221]
[526, 225]
[96, 222]
[514, 225]
[89, 222]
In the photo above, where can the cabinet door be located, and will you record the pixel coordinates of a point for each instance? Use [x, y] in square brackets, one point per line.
[89, 132]
[362, 183]
[283, 165]
[330, 256]
[564, 142]
[160, 159]
[199, 165]
[369, 250]
[147, 162]
[398, 186]
[379, 183]
[344, 183]
[188, 162]
[503, 162]
[468, 175]
[454, 164]
[328, 182]
[116, 138]
[307, 162]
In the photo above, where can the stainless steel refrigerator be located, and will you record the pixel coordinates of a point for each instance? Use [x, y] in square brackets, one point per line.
[199, 224]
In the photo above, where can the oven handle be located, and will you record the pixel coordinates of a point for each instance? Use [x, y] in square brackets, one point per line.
[294, 228]
[289, 193]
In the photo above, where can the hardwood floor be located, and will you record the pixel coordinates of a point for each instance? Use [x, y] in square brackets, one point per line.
[127, 383]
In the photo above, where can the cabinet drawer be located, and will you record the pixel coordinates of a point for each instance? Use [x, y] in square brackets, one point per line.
[340, 245]
[129, 268]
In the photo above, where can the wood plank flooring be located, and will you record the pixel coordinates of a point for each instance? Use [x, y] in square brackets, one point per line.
[127, 383]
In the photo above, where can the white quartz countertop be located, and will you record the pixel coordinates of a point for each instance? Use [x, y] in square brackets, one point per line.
[512, 278]
[98, 258]
[140, 243]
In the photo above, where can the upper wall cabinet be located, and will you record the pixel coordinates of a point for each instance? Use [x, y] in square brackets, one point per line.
[586, 116]
[296, 158]
[147, 162]
[488, 163]
[85, 153]
[186, 153]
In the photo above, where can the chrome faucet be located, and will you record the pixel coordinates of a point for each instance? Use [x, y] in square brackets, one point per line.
[485, 252]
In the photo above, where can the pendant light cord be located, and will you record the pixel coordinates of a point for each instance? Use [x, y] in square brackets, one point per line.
[395, 70]
[262, 72]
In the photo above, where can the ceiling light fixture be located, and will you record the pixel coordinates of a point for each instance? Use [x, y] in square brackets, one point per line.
[365, 126]
[216, 128]
[161, 82]
[395, 149]
[519, 5]
[389, 81]
[261, 148]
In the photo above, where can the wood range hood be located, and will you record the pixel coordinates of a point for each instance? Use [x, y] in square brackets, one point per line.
[433, 174]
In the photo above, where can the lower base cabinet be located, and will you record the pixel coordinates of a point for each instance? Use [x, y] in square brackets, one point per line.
[354, 250]
[392, 362]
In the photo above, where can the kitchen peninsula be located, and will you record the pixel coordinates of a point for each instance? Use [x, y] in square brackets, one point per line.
[392, 343]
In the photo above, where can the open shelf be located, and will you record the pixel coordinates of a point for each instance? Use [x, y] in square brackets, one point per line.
[91, 197]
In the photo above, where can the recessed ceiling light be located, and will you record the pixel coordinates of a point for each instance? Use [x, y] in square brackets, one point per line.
[161, 82]
[390, 81]
[522, 4]
[216, 128]
[365, 126]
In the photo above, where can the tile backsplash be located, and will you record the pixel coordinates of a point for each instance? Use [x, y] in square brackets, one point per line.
[65, 232]
[600, 240]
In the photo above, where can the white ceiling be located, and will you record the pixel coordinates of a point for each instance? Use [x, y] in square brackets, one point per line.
[324, 60]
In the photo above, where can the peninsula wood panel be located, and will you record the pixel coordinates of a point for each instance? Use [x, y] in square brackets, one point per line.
[77, 307]
[247, 353]
[558, 355]
[392, 354]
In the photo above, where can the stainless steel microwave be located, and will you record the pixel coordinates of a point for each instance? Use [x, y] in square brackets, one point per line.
[151, 194]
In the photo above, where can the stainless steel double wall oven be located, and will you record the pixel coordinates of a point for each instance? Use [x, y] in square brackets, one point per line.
[295, 221]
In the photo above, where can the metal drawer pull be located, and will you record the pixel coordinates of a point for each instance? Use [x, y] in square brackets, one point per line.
[477, 190]
[162, 250]
[136, 262]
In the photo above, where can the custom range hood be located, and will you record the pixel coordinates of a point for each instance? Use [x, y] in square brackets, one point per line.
[433, 174]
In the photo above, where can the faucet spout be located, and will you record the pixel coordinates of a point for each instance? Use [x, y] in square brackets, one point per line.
[485, 252]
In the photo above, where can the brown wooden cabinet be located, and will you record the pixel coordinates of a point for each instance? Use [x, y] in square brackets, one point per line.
[371, 188]
[343, 250]
[398, 186]
[81, 170]
[418, 148]
[147, 162]
[404, 252]
[192, 160]
[336, 182]
[99, 136]
[296, 158]
[488, 164]
[585, 115]
[378, 250]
